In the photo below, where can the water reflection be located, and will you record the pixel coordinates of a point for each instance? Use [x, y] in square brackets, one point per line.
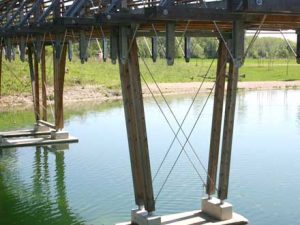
[43, 200]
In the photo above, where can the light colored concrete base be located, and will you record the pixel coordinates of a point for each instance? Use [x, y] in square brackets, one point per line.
[41, 128]
[141, 217]
[59, 135]
[214, 208]
[197, 218]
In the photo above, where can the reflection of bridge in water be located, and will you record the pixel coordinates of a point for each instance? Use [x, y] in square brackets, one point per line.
[33, 25]
[45, 205]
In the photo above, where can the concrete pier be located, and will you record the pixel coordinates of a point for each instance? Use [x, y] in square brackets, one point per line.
[197, 217]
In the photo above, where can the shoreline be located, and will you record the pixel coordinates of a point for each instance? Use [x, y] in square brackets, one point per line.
[92, 93]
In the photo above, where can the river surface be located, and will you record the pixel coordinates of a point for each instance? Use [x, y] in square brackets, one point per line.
[90, 183]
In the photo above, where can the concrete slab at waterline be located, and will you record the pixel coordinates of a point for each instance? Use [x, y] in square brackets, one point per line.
[24, 142]
[197, 218]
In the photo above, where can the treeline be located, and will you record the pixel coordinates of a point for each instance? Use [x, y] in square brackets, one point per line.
[265, 47]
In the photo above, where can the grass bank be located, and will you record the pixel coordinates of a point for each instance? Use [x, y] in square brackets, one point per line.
[16, 74]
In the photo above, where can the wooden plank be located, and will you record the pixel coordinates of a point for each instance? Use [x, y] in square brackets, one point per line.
[228, 131]
[50, 125]
[36, 87]
[13, 143]
[44, 85]
[139, 116]
[23, 133]
[217, 119]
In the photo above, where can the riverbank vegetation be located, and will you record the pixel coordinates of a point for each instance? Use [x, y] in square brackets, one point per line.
[268, 60]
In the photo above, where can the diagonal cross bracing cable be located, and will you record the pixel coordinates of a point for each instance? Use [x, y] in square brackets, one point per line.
[174, 116]
[169, 124]
[288, 43]
[191, 132]
[184, 119]
[172, 168]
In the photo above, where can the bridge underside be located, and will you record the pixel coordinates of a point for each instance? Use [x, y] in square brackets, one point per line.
[31, 25]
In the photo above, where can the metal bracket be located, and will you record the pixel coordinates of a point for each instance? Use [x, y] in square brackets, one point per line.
[8, 49]
[104, 49]
[70, 50]
[83, 46]
[38, 48]
[123, 44]
[298, 46]
[238, 42]
[170, 43]
[22, 47]
[154, 49]
[187, 48]
[113, 45]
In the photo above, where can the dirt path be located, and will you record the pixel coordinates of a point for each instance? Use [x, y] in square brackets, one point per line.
[100, 94]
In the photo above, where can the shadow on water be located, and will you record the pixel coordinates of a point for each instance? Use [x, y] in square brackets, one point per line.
[48, 204]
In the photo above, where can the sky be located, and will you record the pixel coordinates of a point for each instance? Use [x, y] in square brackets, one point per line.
[289, 34]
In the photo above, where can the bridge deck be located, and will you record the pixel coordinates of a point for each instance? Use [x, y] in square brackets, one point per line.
[32, 18]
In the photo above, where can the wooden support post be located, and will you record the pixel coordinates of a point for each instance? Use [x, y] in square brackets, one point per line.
[32, 78]
[217, 119]
[228, 131]
[136, 128]
[44, 84]
[37, 86]
[1, 58]
[238, 41]
[59, 64]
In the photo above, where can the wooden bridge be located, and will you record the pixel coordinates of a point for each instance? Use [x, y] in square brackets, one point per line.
[31, 25]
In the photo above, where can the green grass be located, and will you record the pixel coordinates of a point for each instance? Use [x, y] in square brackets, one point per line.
[16, 74]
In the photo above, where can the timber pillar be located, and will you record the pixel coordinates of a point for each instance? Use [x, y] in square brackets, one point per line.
[135, 123]
[216, 207]
[217, 119]
[59, 64]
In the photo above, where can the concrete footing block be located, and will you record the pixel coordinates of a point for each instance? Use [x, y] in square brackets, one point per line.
[142, 217]
[41, 128]
[215, 209]
[58, 135]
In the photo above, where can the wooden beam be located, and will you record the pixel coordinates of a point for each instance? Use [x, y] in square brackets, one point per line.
[138, 108]
[37, 87]
[32, 78]
[131, 134]
[136, 127]
[228, 131]
[217, 119]
[59, 62]
[44, 84]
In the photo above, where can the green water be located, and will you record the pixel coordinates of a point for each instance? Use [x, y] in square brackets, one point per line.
[90, 183]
